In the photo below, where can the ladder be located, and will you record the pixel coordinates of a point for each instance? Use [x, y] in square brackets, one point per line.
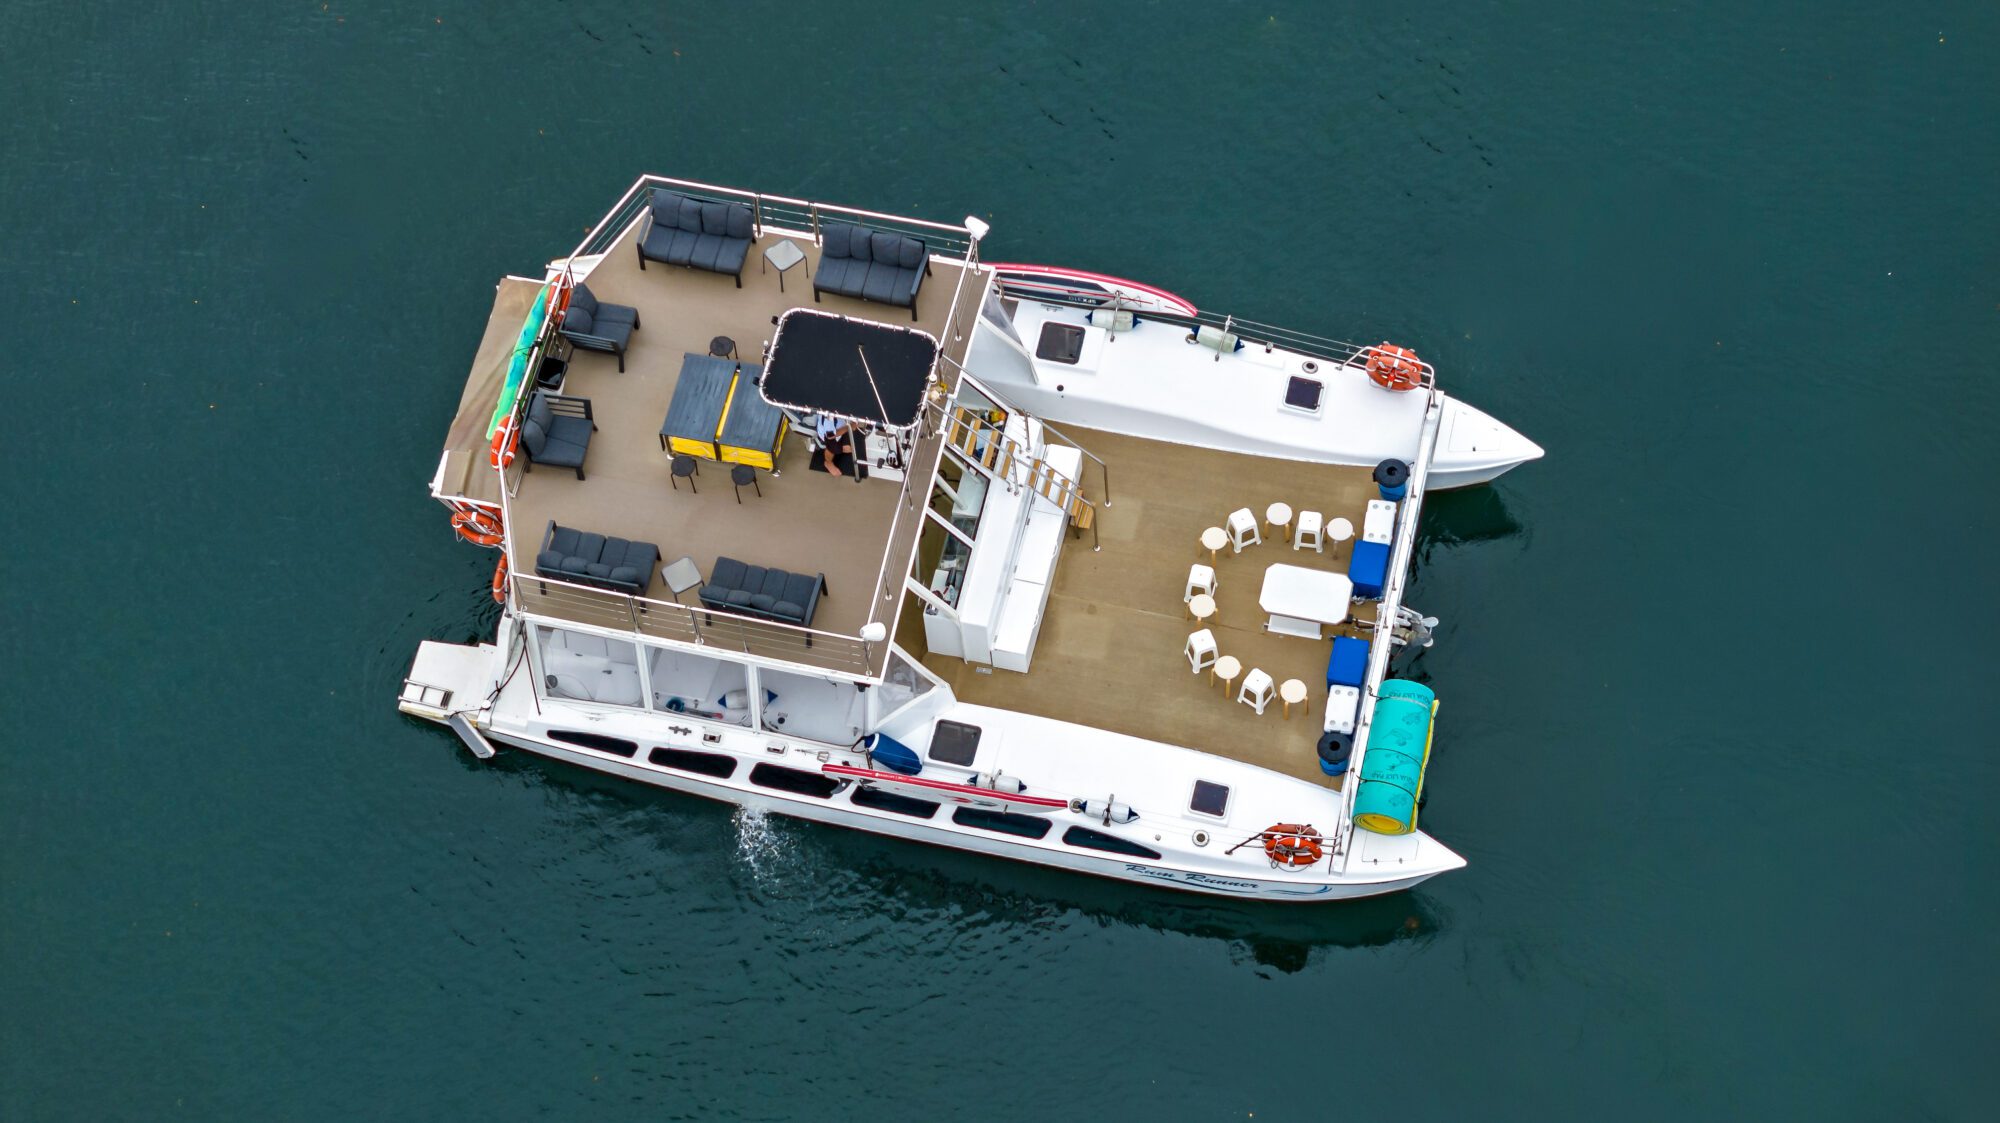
[983, 443]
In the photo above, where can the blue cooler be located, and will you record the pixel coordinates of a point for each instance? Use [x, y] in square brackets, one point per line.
[1368, 568]
[1348, 664]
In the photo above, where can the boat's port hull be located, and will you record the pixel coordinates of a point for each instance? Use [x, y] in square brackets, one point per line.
[1305, 886]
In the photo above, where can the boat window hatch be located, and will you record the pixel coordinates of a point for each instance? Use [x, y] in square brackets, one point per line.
[1209, 799]
[1303, 394]
[1060, 343]
[954, 742]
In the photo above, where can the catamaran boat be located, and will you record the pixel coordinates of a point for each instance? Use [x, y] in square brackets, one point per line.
[808, 509]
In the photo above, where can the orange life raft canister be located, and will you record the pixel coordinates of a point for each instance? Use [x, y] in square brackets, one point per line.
[1292, 844]
[1395, 368]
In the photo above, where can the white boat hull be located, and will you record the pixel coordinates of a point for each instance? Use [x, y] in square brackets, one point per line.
[1304, 886]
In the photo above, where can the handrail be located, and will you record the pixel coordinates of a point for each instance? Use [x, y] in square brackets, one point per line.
[765, 640]
[1250, 332]
[805, 213]
[1103, 468]
[1379, 649]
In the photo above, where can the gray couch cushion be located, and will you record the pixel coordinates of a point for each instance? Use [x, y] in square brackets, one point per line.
[616, 314]
[582, 297]
[535, 438]
[912, 256]
[578, 319]
[689, 216]
[884, 283]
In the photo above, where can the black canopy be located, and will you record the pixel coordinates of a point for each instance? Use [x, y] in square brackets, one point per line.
[816, 366]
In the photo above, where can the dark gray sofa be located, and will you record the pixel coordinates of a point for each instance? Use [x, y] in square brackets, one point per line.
[871, 265]
[592, 559]
[770, 593]
[597, 326]
[556, 431]
[683, 231]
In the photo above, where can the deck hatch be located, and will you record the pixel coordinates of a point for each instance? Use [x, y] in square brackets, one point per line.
[955, 742]
[1209, 799]
[1060, 343]
[1303, 394]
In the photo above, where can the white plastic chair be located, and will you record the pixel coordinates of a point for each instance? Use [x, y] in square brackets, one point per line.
[1309, 528]
[1257, 690]
[1201, 579]
[1243, 529]
[1200, 650]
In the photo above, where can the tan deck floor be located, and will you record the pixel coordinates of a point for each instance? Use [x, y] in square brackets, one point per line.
[1110, 653]
[805, 521]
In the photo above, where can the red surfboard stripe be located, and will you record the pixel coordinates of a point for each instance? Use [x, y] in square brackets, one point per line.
[940, 785]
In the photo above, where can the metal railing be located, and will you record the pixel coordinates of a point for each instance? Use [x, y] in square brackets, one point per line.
[1250, 332]
[808, 648]
[781, 212]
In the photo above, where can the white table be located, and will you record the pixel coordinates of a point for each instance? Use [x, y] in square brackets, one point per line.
[1300, 599]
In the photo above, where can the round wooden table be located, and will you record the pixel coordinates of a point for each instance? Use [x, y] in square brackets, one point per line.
[1291, 692]
[1226, 669]
[1339, 530]
[1280, 515]
[1201, 606]
[1213, 539]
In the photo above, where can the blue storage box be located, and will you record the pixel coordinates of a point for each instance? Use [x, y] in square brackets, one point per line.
[1348, 664]
[1368, 568]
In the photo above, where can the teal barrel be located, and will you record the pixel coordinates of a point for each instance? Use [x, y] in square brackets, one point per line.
[1392, 769]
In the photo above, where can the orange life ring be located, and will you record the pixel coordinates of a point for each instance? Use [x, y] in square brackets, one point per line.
[505, 440]
[1395, 368]
[478, 526]
[500, 581]
[1292, 845]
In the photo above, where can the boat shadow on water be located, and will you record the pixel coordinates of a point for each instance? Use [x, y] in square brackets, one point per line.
[870, 875]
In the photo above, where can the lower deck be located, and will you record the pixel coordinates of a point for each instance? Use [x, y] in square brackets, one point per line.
[1111, 650]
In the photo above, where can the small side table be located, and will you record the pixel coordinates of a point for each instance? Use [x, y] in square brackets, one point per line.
[680, 576]
[783, 253]
[1201, 606]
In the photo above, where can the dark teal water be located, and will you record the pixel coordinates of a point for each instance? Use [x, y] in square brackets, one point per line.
[1717, 713]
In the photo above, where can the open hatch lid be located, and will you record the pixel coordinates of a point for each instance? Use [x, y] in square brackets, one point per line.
[816, 366]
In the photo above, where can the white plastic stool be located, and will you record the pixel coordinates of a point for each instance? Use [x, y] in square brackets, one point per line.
[1280, 516]
[1201, 650]
[1340, 530]
[1291, 693]
[1226, 669]
[1243, 529]
[1213, 539]
[1257, 690]
[1309, 528]
[1201, 579]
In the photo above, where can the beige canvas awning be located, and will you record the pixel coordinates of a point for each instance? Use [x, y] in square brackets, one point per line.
[468, 473]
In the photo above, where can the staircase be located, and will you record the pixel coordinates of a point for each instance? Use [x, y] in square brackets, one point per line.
[984, 443]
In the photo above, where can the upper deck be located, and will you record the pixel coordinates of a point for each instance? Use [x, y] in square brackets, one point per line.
[859, 534]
